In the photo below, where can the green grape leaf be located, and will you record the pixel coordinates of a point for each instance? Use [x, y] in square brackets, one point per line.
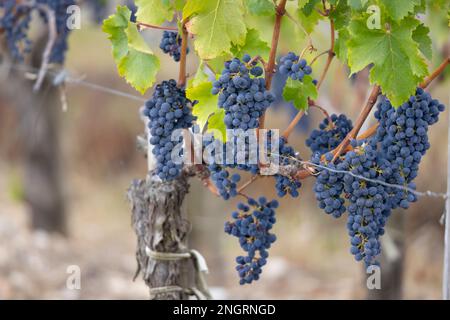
[135, 60]
[357, 5]
[298, 92]
[420, 35]
[398, 65]
[253, 46]
[399, 9]
[216, 24]
[341, 14]
[216, 123]
[260, 7]
[154, 11]
[115, 27]
[178, 4]
[340, 47]
[207, 102]
[308, 22]
[217, 64]
[308, 6]
[200, 76]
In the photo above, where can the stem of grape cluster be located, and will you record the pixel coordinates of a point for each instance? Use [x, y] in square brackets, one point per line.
[435, 73]
[292, 125]
[331, 55]
[143, 25]
[184, 43]
[359, 122]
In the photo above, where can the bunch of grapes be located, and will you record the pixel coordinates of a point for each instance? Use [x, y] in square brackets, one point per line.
[330, 134]
[329, 185]
[99, 9]
[168, 110]
[226, 185]
[171, 44]
[403, 139]
[132, 6]
[286, 184]
[251, 225]
[368, 207]
[15, 21]
[16, 18]
[242, 93]
[60, 46]
[294, 67]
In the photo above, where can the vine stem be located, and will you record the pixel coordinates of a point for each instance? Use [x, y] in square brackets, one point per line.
[359, 122]
[435, 73]
[318, 56]
[372, 130]
[280, 11]
[246, 184]
[143, 25]
[183, 56]
[292, 125]
[331, 55]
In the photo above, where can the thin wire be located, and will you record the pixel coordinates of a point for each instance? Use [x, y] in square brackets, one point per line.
[79, 81]
[384, 183]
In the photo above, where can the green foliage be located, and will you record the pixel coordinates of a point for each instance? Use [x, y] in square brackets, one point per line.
[260, 7]
[388, 49]
[155, 11]
[399, 9]
[253, 45]
[135, 60]
[309, 21]
[206, 110]
[298, 92]
[216, 24]
[420, 35]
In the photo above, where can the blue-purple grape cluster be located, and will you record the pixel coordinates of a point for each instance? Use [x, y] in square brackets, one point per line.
[242, 93]
[99, 9]
[226, 184]
[329, 186]
[391, 157]
[403, 138]
[15, 21]
[330, 134]
[368, 207]
[294, 67]
[132, 6]
[60, 46]
[251, 225]
[168, 110]
[286, 184]
[171, 44]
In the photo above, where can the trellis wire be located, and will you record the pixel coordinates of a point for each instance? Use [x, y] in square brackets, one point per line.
[65, 77]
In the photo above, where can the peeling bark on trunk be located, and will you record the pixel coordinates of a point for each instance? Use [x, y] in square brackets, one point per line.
[159, 225]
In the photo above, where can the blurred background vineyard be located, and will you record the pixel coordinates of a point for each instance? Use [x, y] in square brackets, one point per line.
[311, 258]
